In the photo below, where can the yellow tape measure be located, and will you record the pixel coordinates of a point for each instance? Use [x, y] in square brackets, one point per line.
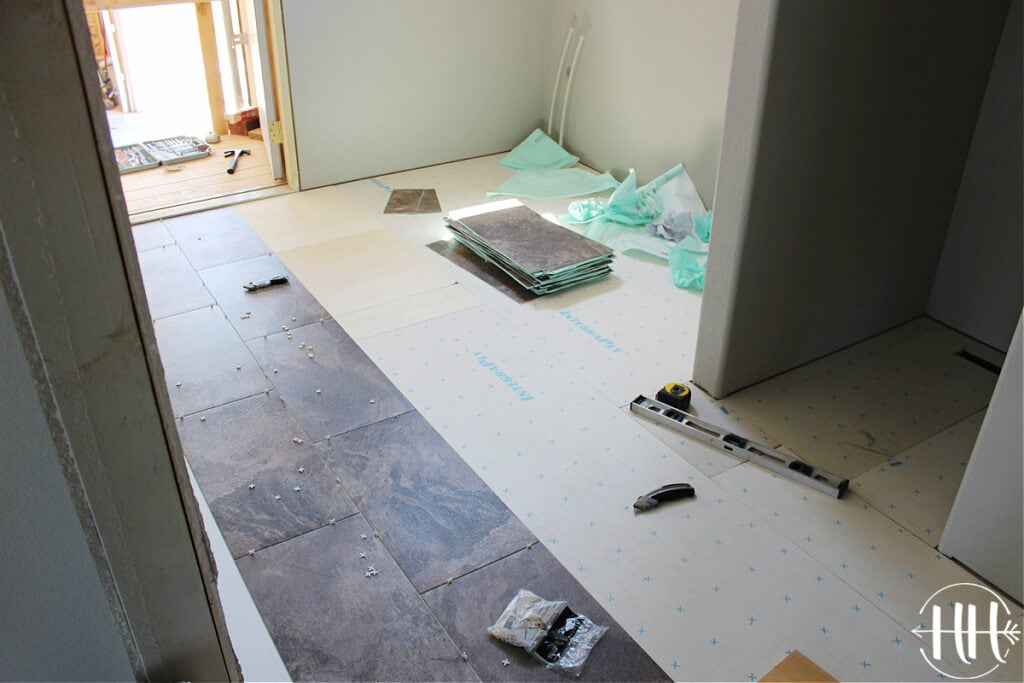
[675, 394]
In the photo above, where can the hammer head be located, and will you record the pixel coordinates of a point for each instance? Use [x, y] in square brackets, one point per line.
[233, 152]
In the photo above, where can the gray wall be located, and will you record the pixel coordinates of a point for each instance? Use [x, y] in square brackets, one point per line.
[397, 84]
[984, 530]
[978, 288]
[839, 204]
[54, 615]
[650, 85]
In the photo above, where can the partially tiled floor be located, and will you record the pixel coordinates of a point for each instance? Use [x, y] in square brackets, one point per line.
[366, 409]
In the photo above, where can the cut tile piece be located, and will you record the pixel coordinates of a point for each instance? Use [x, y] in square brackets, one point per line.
[916, 489]
[249, 458]
[475, 601]
[303, 218]
[407, 311]
[461, 256]
[332, 622]
[152, 235]
[413, 201]
[263, 311]
[859, 407]
[205, 363]
[439, 519]
[356, 272]
[328, 382]
[171, 283]
[213, 238]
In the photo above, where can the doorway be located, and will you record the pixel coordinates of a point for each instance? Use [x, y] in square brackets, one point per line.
[190, 101]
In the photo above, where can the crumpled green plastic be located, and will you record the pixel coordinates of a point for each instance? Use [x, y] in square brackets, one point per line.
[628, 205]
[555, 183]
[536, 152]
[687, 259]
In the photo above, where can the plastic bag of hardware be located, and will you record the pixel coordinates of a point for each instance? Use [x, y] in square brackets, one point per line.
[526, 619]
[548, 630]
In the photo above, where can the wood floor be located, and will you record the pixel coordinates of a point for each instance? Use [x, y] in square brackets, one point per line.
[193, 181]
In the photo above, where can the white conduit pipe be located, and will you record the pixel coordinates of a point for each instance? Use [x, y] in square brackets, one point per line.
[568, 87]
[558, 78]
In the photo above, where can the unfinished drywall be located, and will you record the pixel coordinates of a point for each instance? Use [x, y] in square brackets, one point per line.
[650, 85]
[978, 287]
[867, 113]
[46, 555]
[387, 86]
[984, 529]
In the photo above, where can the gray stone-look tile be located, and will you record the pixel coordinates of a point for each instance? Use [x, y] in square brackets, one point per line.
[475, 601]
[438, 518]
[172, 285]
[249, 456]
[353, 391]
[205, 363]
[332, 622]
[213, 238]
[152, 235]
[263, 311]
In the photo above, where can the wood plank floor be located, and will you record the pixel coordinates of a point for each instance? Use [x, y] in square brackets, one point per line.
[193, 181]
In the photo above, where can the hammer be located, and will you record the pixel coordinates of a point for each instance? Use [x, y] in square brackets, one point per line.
[237, 154]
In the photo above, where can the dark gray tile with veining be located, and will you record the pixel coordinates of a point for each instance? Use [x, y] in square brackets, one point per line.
[213, 238]
[332, 622]
[353, 392]
[172, 285]
[413, 201]
[439, 519]
[205, 363]
[475, 601]
[461, 256]
[249, 457]
[152, 235]
[262, 311]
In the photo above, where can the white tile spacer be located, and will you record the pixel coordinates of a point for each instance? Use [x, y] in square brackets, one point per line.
[371, 572]
[296, 489]
[465, 656]
[372, 401]
[450, 581]
[332, 521]
[302, 470]
[284, 328]
[309, 347]
[238, 367]
[252, 553]
[202, 419]
[275, 371]
[321, 321]
[177, 384]
[298, 440]
[277, 497]
[302, 345]
[362, 556]
[252, 486]
[310, 355]
[294, 318]
[318, 391]
[505, 662]
[363, 537]
[289, 335]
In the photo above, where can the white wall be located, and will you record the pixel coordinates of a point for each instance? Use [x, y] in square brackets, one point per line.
[54, 615]
[397, 84]
[978, 288]
[650, 86]
[984, 529]
[838, 207]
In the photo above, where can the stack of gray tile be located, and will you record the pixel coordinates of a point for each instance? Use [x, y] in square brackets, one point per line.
[541, 256]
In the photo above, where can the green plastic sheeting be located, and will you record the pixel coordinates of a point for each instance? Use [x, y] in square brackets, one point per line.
[537, 152]
[555, 183]
[687, 259]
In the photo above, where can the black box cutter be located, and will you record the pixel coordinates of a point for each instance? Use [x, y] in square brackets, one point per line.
[660, 495]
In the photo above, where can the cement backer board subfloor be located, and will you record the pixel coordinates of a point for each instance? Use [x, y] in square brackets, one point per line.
[533, 397]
